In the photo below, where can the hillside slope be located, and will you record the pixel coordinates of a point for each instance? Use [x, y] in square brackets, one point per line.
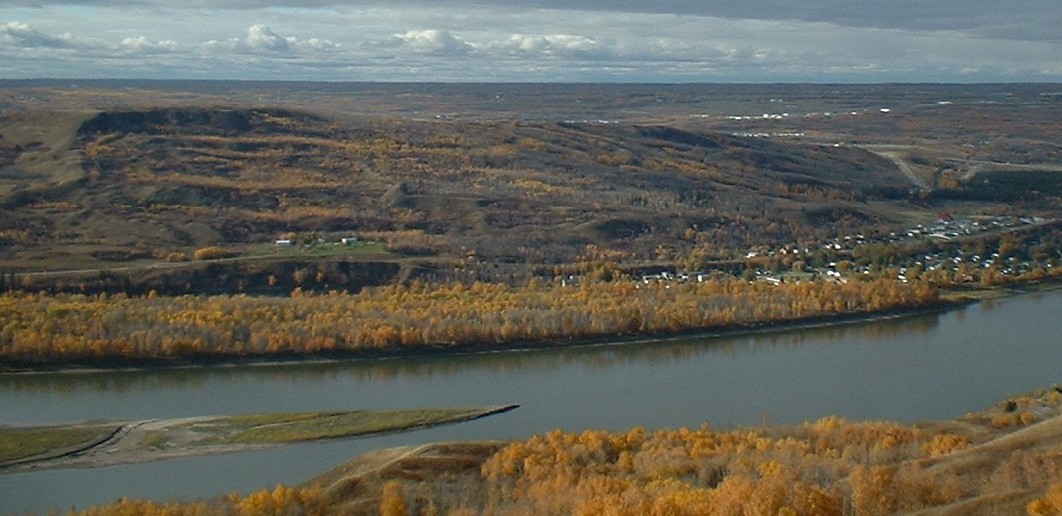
[151, 182]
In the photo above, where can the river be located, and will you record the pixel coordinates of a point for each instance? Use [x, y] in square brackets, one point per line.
[912, 368]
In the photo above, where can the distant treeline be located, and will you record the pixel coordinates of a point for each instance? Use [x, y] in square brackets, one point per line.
[1008, 186]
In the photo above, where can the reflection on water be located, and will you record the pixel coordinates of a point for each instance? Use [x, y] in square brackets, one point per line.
[914, 368]
[881, 329]
[594, 356]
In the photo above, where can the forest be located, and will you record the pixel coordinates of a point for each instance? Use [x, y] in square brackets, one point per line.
[42, 329]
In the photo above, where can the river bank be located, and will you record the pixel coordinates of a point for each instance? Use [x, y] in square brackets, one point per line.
[429, 351]
[1000, 460]
[473, 348]
[951, 300]
[60, 331]
[918, 368]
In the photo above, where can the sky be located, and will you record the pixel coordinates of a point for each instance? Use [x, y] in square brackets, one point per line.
[656, 41]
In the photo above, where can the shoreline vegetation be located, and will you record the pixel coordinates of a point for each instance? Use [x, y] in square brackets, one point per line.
[60, 330]
[1002, 460]
[106, 443]
[63, 332]
[69, 332]
[152, 206]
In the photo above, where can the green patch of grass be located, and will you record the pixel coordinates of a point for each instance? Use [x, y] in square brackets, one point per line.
[155, 440]
[294, 427]
[321, 250]
[22, 443]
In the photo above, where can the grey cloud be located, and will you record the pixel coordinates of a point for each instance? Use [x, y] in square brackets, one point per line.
[22, 35]
[643, 41]
[1013, 18]
[16, 34]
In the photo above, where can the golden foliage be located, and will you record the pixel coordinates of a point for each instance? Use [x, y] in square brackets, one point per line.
[826, 467]
[213, 253]
[393, 500]
[666, 472]
[943, 444]
[830, 466]
[280, 501]
[1048, 505]
[38, 328]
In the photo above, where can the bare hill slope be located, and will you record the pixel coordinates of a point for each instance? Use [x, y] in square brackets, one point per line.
[173, 179]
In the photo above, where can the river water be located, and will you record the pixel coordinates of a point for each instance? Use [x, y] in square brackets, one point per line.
[908, 369]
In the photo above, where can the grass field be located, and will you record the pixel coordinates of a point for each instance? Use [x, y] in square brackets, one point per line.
[287, 428]
[23, 443]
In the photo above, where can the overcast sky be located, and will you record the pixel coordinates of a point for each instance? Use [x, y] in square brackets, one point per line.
[535, 40]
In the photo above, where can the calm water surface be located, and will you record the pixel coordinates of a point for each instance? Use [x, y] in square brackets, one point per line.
[922, 367]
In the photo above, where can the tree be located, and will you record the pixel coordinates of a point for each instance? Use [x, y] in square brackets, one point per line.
[393, 500]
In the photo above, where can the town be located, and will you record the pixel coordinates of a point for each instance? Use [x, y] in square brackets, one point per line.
[952, 250]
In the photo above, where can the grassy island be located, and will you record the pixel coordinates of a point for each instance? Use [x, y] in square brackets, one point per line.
[96, 444]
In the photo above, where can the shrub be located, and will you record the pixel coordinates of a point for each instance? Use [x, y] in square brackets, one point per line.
[213, 253]
[176, 256]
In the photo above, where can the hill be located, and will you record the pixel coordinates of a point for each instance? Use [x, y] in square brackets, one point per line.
[158, 181]
[493, 182]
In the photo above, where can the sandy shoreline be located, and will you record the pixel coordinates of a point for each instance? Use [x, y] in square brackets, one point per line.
[152, 440]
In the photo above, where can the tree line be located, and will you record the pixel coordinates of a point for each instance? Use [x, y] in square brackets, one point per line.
[37, 329]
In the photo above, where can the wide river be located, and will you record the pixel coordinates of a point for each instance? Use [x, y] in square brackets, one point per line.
[913, 368]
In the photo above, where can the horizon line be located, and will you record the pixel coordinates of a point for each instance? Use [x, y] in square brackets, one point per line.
[529, 83]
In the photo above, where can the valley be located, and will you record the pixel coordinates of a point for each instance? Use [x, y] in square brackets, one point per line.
[154, 226]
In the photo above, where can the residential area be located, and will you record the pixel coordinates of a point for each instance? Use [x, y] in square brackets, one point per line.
[952, 249]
